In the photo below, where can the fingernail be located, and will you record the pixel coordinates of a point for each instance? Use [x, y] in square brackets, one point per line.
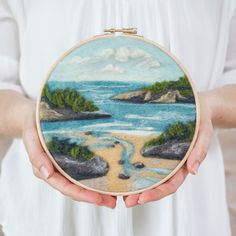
[195, 167]
[44, 172]
[141, 201]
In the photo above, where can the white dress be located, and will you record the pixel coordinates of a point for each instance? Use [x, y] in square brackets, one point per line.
[33, 34]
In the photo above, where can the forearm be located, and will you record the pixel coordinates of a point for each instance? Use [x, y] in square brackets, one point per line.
[14, 111]
[223, 106]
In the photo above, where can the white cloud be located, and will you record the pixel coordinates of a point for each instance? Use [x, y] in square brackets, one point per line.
[149, 63]
[112, 68]
[127, 53]
[105, 53]
[77, 60]
[140, 53]
[138, 57]
[122, 54]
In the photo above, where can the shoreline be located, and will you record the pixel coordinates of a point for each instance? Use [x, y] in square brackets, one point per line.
[111, 182]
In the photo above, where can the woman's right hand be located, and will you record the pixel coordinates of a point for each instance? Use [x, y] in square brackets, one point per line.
[44, 169]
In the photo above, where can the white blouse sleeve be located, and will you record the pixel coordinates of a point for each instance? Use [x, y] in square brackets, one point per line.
[229, 75]
[9, 50]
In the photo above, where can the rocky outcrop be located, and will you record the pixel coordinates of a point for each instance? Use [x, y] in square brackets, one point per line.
[121, 162]
[170, 97]
[133, 96]
[169, 150]
[48, 113]
[148, 96]
[145, 96]
[92, 168]
[138, 165]
[124, 176]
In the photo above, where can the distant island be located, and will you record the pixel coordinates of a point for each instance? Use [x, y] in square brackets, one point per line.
[173, 143]
[179, 91]
[77, 160]
[67, 104]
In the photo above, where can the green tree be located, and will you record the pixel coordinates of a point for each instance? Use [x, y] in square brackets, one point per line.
[68, 98]
[71, 149]
[182, 84]
[59, 99]
[180, 132]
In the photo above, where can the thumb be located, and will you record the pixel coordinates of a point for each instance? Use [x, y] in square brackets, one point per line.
[200, 148]
[37, 156]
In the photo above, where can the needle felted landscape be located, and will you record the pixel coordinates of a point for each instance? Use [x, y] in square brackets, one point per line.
[118, 114]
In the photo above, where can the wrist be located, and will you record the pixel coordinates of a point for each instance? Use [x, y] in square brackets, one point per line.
[28, 120]
[211, 103]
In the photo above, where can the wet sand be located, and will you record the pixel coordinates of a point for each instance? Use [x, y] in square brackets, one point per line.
[111, 182]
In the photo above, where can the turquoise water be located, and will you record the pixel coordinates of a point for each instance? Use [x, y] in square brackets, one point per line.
[140, 119]
[146, 118]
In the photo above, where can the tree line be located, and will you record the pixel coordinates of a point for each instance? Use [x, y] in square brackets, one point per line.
[179, 132]
[71, 149]
[68, 98]
[182, 84]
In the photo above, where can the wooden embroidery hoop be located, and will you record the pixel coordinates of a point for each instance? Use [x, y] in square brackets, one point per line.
[109, 33]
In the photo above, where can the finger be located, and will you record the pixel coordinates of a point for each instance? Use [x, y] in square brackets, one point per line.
[37, 172]
[165, 189]
[77, 193]
[37, 156]
[109, 201]
[74, 191]
[131, 200]
[200, 148]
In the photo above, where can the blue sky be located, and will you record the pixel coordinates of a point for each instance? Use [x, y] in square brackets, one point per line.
[117, 58]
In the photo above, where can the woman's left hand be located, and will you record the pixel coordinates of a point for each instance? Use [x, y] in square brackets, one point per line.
[196, 156]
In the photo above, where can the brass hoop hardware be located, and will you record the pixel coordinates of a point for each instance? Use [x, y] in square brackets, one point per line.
[122, 30]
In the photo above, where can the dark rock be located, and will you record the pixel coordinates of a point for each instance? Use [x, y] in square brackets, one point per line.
[89, 115]
[92, 168]
[168, 150]
[121, 162]
[117, 142]
[170, 97]
[88, 133]
[123, 176]
[132, 96]
[50, 113]
[138, 165]
[142, 96]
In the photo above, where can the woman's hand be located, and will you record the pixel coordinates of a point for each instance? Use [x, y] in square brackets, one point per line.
[43, 168]
[194, 160]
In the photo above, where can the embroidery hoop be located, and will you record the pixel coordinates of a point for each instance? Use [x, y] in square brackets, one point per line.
[110, 33]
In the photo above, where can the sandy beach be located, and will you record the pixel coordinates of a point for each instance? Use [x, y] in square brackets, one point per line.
[111, 182]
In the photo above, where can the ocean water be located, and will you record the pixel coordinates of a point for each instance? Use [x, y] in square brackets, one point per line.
[130, 118]
[126, 117]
